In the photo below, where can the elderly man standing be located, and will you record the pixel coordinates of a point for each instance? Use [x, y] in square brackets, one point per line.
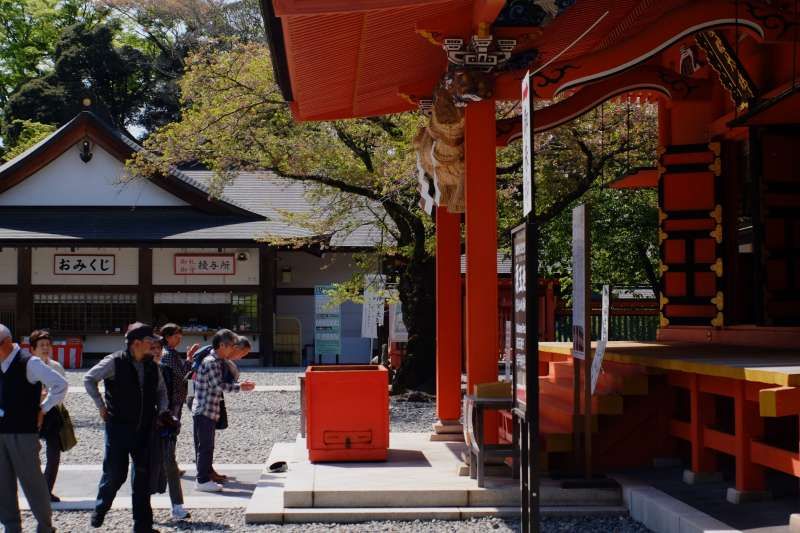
[22, 411]
[135, 396]
[209, 389]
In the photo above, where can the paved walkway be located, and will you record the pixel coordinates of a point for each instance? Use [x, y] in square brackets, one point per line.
[77, 488]
[259, 388]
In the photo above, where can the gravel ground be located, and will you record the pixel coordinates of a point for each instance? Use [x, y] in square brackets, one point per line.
[272, 376]
[262, 376]
[257, 420]
[225, 520]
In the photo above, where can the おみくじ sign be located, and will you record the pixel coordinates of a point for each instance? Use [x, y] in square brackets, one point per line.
[83, 265]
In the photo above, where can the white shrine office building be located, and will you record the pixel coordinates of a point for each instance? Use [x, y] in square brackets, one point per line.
[84, 252]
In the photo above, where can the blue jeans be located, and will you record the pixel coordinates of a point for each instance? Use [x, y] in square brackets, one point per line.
[205, 430]
[122, 441]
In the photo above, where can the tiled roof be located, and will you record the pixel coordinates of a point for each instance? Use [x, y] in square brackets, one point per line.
[270, 195]
[257, 202]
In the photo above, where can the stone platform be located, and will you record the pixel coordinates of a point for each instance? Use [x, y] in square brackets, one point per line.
[419, 481]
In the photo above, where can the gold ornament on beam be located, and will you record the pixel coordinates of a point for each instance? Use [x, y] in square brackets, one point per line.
[717, 234]
[717, 267]
[718, 301]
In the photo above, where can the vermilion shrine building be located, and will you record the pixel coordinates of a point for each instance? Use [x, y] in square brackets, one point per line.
[724, 376]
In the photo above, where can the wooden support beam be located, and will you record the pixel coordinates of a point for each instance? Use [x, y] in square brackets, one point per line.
[144, 296]
[680, 430]
[719, 441]
[775, 458]
[749, 426]
[481, 250]
[266, 303]
[24, 315]
[448, 315]
[702, 413]
[780, 401]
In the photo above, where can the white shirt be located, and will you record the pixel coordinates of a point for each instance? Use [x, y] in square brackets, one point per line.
[38, 372]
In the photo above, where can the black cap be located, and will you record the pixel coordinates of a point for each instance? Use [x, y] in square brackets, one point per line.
[140, 331]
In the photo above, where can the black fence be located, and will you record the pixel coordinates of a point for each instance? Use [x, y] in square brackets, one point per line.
[621, 327]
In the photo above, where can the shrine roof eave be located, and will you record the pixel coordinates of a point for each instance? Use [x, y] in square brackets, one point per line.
[277, 49]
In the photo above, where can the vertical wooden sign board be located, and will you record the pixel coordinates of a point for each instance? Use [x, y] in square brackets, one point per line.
[526, 328]
[582, 336]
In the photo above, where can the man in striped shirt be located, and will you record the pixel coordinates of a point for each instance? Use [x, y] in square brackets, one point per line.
[209, 387]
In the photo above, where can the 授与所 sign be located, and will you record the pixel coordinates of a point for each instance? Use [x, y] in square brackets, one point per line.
[205, 264]
[83, 264]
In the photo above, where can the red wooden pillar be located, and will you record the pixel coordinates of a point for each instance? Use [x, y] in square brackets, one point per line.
[702, 410]
[448, 315]
[481, 241]
[748, 425]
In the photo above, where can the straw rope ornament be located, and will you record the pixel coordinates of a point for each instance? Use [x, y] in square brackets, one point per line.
[440, 144]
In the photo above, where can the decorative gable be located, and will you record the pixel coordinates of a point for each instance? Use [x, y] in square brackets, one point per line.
[69, 181]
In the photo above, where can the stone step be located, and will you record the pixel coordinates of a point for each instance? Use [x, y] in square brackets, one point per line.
[447, 437]
[355, 514]
[448, 427]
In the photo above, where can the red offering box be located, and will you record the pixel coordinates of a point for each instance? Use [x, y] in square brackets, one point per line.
[347, 413]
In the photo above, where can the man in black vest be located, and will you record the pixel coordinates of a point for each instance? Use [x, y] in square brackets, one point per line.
[21, 413]
[135, 396]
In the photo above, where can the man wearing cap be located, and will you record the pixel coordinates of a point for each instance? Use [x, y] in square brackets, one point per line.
[135, 396]
[21, 414]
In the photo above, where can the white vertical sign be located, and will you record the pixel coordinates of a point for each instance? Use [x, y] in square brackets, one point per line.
[581, 328]
[397, 328]
[527, 146]
[372, 309]
[597, 362]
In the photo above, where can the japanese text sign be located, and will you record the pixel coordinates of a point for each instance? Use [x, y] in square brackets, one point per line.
[205, 264]
[83, 264]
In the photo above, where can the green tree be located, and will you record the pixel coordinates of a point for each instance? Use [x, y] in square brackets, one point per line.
[575, 163]
[233, 118]
[119, 80]
[29, 31]
[30, 133]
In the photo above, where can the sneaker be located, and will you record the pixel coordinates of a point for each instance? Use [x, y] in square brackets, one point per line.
[97, 519]
[54, 498]
[179, 513]
[208, 486]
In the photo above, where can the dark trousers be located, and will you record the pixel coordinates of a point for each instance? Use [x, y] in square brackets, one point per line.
[172, 471]
[204, 433]
[53, 445]
[123, 441]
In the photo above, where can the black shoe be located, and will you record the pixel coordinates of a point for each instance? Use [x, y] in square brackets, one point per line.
[54, 498]
[97, 519]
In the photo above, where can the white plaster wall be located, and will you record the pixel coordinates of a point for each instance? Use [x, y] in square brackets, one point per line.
[309, 270]
[68, 181]
[126, 264]
[164, 267]
[8, 266]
